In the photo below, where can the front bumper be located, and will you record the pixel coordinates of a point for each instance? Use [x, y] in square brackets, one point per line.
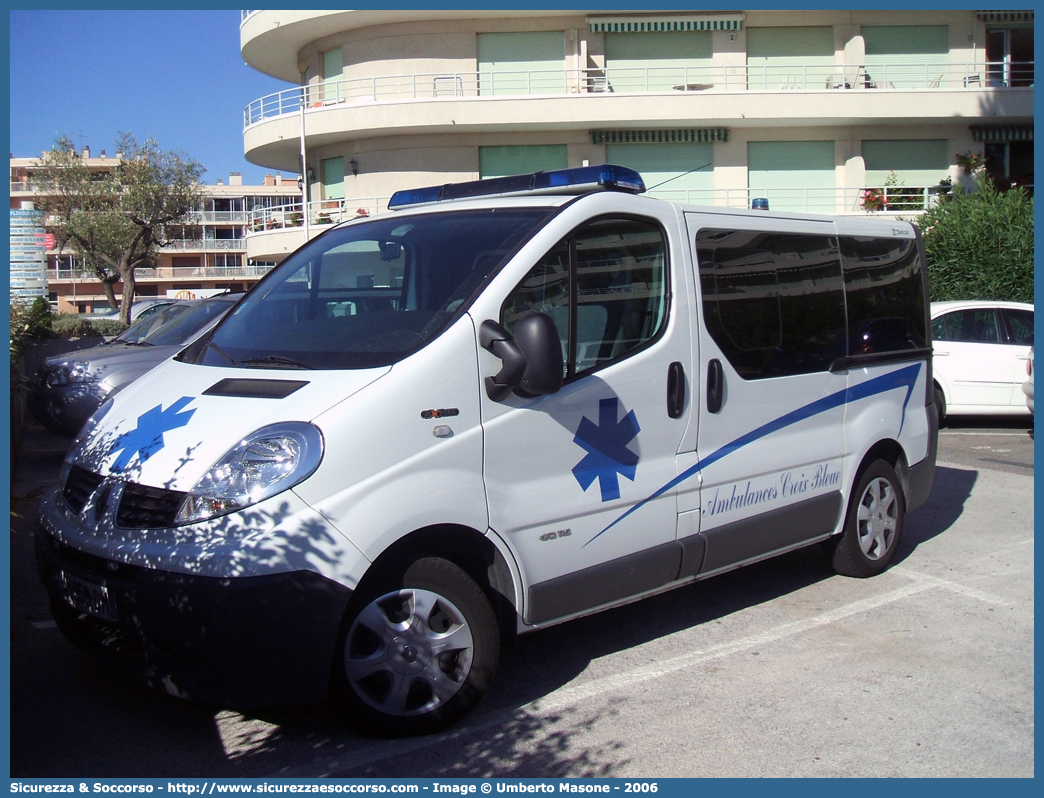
[239, 641]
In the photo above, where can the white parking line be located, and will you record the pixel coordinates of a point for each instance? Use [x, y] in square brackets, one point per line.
[619, 683]
[1013, 434]
[964, 590]
[623, 682]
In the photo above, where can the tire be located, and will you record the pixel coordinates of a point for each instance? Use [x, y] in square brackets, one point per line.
[940, 403]
[416, 652]
[873, 524]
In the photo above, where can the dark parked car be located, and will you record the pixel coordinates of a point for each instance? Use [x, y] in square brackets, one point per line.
[68, 388]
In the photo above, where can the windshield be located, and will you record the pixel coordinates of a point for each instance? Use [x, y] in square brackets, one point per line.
[184, 327]
[150, 324]
[370, 293]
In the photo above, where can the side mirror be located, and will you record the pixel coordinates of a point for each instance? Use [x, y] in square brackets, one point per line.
[532, 358]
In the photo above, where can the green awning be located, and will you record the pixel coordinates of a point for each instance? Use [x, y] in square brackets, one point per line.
[1002, 132]
[658, 23]
[659, 136]
[1005, 16]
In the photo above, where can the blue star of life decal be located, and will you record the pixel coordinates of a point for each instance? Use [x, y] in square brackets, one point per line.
[147, 438]
[608, 457]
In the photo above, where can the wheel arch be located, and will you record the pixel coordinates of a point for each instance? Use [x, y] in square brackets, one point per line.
[892, 452]
[943, 388]
[468, 549]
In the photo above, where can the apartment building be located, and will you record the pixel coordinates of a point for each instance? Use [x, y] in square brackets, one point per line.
[207, 255]
[848, 112]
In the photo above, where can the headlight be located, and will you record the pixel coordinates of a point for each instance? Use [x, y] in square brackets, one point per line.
[67, 372]
[266, 462]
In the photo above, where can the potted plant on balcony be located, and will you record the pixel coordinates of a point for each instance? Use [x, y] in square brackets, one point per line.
[898, 200]
[323, 218]
[971, 162]
[295, 218]
[873, 199]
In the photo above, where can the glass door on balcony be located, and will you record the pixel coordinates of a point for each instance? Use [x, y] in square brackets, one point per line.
[331, 172]
[908, 56]
[1009, 52]
[792, 175]
[792, 58]
[521, 160]
[907, 172]
[681, 172]
[658, 61]
[333, 71]
[521, 63]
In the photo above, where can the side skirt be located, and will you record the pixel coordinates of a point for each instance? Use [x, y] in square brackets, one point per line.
[671, 565]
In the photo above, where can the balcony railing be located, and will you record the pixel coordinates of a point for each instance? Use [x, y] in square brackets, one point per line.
[169, 273]
[206, 244]
[321, 213]
[447, 85]
[837, 200]
[217, 217]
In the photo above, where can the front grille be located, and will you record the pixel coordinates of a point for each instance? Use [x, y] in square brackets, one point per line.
[79, 486]
[142, 507]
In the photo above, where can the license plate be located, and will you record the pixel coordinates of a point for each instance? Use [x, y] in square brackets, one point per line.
[94, 599]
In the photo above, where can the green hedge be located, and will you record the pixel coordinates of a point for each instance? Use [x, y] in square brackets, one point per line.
[979, 244]
[72, 326]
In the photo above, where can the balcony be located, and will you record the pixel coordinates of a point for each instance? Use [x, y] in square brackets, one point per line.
[898, 78]
[275, 232]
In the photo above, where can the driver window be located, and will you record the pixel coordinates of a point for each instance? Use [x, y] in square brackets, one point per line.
[605, 289]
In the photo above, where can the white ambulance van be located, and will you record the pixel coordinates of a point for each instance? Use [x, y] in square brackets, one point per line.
[506, 404]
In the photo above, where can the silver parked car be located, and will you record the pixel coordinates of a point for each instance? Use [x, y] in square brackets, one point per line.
[141, 308]
[68, 388]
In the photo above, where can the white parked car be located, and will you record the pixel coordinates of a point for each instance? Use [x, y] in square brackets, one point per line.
[1027, 386]
[980, 353]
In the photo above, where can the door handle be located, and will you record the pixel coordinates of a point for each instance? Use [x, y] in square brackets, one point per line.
[715, 386]
[675, 389]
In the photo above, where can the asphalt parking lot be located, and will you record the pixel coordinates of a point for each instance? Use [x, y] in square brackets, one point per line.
[778, 669]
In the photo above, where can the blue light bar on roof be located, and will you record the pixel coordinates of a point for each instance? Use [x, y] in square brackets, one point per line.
[605, 177]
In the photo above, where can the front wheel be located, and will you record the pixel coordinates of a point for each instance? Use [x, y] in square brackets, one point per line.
[418, 652]
[873, 525]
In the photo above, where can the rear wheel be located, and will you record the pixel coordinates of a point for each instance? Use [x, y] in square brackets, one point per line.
[873, 524]
[416, 652]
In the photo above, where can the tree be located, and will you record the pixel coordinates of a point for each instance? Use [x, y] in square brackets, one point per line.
[116, 218]
[979, 244]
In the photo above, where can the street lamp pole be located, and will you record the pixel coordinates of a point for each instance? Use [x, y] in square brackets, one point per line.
[304, 169]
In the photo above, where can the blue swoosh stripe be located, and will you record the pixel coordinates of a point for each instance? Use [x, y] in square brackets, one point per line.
[900, 378]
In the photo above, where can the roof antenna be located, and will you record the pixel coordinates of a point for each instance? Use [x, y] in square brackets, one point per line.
[683, 174]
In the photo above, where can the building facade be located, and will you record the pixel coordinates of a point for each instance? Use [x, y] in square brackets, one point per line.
[207, 255]
[846, 112]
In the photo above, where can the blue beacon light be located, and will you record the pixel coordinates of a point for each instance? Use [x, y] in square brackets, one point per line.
[604, 177]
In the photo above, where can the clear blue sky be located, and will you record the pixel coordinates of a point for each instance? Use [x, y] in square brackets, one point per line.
[176, 76]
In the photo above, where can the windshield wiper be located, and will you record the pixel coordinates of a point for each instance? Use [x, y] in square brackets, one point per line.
[217, 349]
[277, 361]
